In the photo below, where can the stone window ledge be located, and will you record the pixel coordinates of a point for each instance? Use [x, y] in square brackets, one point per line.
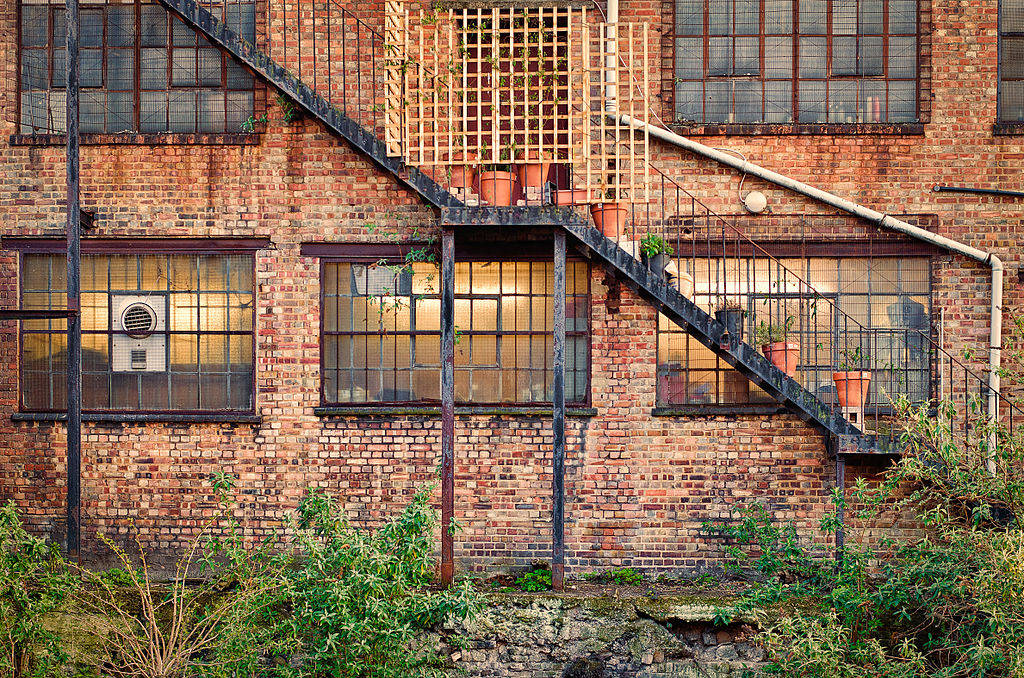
[784, 129]
[435, 411]
[716, 410]
[145, 418]
[1008, 129]
[135, 139]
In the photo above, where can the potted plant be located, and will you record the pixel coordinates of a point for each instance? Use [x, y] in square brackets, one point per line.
[609, 217]
[571, 196]
[656, 252]
[852, 382]
[782, 353]
[496, 183]
[731, 314]
[533, 172]
[462, 175]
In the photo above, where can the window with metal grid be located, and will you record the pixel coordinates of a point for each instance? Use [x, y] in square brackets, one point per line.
[159, 333]
[381, 335]
[1011, 61]
[140, 69]
[889, 297]
[796, 61]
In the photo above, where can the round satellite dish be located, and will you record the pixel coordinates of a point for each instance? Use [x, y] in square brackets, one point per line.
[755, 202]
[138, 320]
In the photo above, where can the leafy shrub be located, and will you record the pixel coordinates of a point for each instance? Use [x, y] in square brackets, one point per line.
[625, 576]
[34, 582]
[535, 580]
[348, 602]
[943, 600]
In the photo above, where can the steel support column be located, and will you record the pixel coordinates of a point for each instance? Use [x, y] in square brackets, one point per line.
[841, 507]
[558, 422]
[447, 405]
[74, 327]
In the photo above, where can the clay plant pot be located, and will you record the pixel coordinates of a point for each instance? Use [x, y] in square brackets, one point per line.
[657, 263]
[783, 354]
[732, 318]
[533, 174]
[496, 187]
[609, 217]
[566, 197]
[851, 388]
[462, 176]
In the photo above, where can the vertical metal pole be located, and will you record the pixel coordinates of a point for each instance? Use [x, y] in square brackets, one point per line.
[841, 508]
[558, 422]
[74, 353]
[447, 404]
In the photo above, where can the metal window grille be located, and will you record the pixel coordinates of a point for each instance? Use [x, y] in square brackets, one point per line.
[796, 61]
[381, 334]
[141, 69]
[1011, 61]
[198, 358]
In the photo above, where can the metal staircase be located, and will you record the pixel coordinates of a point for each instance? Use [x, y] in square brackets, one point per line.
[347, 100]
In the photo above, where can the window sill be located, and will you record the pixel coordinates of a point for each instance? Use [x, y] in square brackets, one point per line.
[435, 410]
[145, 418]
[783, 129]
[139, 139]
[716, 410]
[1006, 129]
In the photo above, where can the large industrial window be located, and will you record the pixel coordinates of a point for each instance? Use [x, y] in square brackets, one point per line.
[382, 332]
[1011, 61]
[159, 332]
[141, 69]
[890, 297]
[796, 61]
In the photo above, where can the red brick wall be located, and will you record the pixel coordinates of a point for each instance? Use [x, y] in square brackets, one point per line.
[638, 486]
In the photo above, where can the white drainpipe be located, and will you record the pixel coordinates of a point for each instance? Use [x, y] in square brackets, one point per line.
[879, 219]
[611, 57]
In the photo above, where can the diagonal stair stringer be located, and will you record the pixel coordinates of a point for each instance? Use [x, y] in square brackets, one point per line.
[268, 70]
[713, 334]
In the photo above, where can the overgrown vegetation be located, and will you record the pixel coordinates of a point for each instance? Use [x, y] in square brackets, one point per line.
[941, 597]
[624, 576]
[34, 582]
[536, 580]
[321, 598]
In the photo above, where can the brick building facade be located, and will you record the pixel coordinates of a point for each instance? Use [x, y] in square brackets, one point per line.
[643, 470]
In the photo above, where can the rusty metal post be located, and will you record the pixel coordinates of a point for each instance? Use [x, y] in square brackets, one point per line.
[73, 225]
[447, 405]
[558, 422]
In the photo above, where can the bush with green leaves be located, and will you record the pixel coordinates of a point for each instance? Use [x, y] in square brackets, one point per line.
[35, 581]
[348, 602]
[625, 576]
[943, 600]
[534, 581]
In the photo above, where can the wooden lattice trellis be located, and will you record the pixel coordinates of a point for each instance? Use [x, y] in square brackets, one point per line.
[500, 85]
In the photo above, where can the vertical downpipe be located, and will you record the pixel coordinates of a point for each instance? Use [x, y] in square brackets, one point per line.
[611, 57]
[73, 225]
[447, 405]
[558, 422]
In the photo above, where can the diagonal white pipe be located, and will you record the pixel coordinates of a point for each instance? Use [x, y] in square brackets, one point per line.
[879, 219]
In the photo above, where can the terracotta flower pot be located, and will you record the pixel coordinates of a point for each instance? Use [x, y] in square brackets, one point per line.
[609, 217]
[462, 176]
[851, 388]
[565, 197]
[496, 187]
[783, 354]
[533, 174]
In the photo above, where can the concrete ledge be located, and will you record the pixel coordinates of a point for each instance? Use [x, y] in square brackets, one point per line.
[144, 418]
[435, 411]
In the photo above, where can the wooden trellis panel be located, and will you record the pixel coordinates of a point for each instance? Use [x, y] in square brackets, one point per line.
[614, 163]
[495, 85]
[396, 20]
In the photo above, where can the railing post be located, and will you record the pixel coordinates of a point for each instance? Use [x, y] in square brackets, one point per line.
[558, 421]
[447, 405]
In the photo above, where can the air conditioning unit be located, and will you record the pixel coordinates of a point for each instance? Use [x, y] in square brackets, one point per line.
[139, 325]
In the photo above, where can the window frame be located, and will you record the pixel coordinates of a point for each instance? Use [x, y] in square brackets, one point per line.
[136, 91]
[794, 125]
[828, 251]
[162, 246]
[394, 254]
[1003, 124]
